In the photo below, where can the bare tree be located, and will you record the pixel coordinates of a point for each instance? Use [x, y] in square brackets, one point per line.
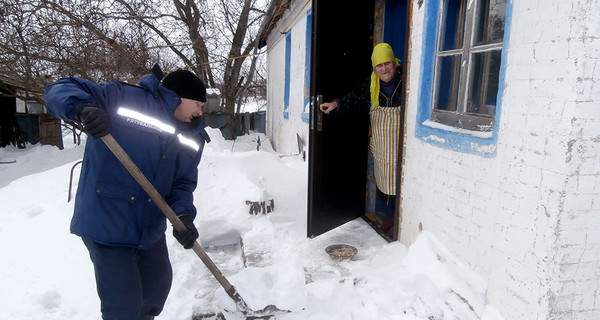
[42, 40]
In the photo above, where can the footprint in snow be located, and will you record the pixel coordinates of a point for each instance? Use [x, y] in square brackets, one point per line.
[34, 211]
[50, 300]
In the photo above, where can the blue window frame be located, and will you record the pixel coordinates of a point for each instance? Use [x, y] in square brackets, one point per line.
[307, 51]
[462, 73]
[288, 61]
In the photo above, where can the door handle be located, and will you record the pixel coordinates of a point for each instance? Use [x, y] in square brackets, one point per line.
[319, 113]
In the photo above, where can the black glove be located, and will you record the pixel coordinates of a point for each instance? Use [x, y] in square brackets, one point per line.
[96, 122]
[188, 237]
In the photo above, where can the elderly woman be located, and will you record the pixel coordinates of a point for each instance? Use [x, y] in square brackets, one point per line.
[380, 98]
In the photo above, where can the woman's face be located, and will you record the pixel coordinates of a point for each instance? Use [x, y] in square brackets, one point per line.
[385, 71]
[188, 109]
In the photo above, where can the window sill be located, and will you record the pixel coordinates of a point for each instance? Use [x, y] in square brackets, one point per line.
[474, 133]
[459, 140]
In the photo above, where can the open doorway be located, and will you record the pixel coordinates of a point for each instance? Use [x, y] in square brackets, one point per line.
[340, 184]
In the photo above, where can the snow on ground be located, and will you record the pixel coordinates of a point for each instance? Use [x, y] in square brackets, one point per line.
[46, 272]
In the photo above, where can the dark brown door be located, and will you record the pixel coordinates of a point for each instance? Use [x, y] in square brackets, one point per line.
[341, 48]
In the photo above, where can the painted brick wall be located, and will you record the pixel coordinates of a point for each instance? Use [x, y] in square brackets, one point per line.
[528, 219]
[275, 80]
[283, 132]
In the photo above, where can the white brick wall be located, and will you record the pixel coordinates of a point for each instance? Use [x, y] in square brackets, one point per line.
[282, 132]
[527, 219]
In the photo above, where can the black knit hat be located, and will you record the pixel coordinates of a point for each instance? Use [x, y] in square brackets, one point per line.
[186, 84]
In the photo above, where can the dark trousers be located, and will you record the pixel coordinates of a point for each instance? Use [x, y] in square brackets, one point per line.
[131, 283]
[389, 200]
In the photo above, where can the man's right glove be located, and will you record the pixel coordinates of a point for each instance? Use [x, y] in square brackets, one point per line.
[188, 237]
[96, 122]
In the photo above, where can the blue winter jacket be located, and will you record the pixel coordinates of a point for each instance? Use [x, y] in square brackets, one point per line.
[110, 207]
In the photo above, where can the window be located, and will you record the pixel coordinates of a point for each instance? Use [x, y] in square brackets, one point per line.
[287, 84]
[467, 63]
[463, 63]
[307, 52]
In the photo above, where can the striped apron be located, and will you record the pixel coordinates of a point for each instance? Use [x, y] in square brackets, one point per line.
[385, 135]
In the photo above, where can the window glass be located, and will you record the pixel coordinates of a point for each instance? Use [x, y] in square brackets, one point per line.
[467, 68]
[489, 25]
[447, 83]
[485, 71]
[453, 25]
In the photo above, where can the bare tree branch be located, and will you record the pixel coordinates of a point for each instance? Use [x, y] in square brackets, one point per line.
[42, 40]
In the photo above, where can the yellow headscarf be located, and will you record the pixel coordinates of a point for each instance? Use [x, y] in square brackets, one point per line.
[381, 53]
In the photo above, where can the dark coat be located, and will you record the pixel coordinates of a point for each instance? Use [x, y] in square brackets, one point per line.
[359, 99]
[110, 207]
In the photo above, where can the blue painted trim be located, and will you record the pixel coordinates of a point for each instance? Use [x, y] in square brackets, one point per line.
[288, 58]
[394, 26]
[450, 139]
[307, 51]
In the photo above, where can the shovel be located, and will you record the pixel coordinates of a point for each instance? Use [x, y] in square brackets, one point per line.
[231, 291]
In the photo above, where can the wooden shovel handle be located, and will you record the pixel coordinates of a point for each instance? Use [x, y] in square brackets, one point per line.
[135, 172]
